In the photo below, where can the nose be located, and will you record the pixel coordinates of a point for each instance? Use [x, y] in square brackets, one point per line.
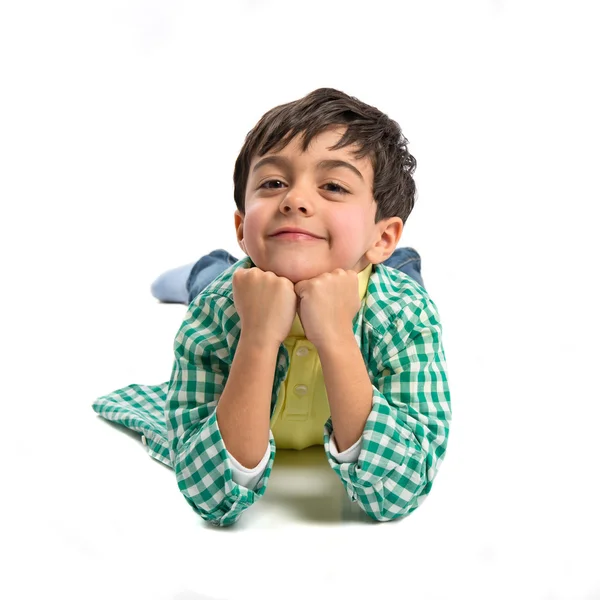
[295, 200]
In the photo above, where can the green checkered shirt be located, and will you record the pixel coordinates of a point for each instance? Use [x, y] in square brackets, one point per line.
[404, 440]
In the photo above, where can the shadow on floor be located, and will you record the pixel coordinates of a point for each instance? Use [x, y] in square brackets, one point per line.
[302, 483]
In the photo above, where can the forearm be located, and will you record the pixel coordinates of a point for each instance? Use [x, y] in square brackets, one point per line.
[349, 389]
[243, 411]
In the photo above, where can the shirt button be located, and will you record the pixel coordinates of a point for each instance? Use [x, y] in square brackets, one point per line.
[302, 351]
[300, 390]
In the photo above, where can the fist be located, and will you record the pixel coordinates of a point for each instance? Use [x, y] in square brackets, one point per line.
[266, 304]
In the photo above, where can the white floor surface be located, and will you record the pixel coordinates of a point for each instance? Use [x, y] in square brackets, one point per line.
[119, 127]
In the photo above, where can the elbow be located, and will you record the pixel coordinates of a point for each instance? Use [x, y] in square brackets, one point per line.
[215, 507]
[395, 494]
[389, 501]
[212, 493]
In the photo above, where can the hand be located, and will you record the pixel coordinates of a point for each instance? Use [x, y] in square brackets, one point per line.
[265, 303]
[327, 305]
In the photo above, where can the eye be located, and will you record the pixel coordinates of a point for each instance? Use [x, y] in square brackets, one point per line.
[337, 188]
[267, 186]
[340, 189]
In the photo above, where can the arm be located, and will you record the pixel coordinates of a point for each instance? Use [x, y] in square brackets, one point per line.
[243, 412]
[349, 389]
[405, 430]
[201, 378]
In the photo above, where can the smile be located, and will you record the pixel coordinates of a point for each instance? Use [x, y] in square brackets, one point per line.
[295, 237]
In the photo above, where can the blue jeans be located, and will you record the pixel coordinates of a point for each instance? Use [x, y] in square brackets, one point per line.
[213, 264]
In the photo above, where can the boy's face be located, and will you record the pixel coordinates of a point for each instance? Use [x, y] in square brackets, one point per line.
[291, 188]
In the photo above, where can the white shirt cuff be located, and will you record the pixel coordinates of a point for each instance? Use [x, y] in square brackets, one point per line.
[249, 478]
[349, 455]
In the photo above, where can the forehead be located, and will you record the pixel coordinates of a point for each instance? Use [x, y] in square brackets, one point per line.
[319, 154]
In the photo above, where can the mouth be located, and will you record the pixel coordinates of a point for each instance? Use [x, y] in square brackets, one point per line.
[290, 236]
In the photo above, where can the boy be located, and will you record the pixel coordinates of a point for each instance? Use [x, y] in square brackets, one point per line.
[311, 338]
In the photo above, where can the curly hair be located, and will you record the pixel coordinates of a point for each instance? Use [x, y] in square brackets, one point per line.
[376, 135]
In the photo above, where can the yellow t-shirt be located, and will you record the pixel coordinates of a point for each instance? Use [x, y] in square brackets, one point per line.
[302, 407]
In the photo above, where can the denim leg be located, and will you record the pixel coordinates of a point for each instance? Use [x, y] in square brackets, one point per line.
[408, 261]
[170, 285]
[209, 267]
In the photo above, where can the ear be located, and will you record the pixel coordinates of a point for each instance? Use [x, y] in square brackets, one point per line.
[239, 230]
[387, 236]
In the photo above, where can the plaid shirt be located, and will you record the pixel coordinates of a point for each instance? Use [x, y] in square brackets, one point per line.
[404, 440]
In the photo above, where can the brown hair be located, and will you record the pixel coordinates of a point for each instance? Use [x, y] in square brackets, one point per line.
[376, 135]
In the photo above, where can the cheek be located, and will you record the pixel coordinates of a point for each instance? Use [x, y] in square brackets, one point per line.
[349, 226]
[253, 225]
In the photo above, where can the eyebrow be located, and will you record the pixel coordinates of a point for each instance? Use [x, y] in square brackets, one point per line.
[281, 161]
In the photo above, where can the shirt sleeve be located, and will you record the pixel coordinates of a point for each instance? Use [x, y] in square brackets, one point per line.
[204, 348]
[406, 433]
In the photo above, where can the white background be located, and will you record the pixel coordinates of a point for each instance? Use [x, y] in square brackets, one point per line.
[120, 122]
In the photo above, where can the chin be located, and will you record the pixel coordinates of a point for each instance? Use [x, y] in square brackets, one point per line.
[294, 273]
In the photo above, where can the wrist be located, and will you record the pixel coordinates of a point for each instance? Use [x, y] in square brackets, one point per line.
[258, 342]
[335, 341]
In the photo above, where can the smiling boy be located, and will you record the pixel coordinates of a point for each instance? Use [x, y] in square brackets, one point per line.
[312, 338]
